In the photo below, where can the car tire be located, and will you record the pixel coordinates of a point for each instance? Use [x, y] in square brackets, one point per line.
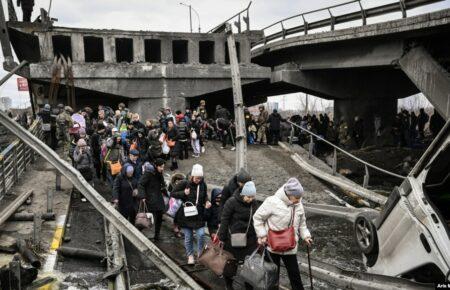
[365, 235]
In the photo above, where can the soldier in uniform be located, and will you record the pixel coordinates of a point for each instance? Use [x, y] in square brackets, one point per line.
[64, 123]
[27, 9]
[343, 133]
[263, 118]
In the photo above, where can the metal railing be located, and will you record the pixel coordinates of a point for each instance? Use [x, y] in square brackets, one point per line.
[366, 164]
[398, 6]
[15, 159]
[243, 15]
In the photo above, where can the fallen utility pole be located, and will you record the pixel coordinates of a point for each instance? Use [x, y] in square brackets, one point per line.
[141, 242]
[241, 140]
[11, 209]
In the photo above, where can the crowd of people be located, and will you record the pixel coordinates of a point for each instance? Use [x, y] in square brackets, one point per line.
[117, 149]
[407, 130]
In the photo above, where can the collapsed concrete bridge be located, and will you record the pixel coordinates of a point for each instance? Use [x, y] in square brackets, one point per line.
[364, 69]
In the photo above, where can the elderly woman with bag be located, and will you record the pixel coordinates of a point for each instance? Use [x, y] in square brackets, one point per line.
[190, 217]
[276, 222]
[125, 191]
[236, 225]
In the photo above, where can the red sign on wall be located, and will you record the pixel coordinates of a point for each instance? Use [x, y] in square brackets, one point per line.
[22, 84]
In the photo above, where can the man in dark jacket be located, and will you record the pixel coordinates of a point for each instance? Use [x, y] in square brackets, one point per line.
[436, 123]
[183, 138]
[358, 131]
[422, 120]
[27, 9]
[223, 124]
[237, 181]
[154, 149]
[124, 193]
[96, 146]
[274, 121]
[151, 189]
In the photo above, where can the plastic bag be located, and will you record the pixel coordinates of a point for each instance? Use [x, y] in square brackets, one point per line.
[165, 148]
[174, 206]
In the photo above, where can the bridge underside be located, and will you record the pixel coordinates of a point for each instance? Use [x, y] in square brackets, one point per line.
[366, 69]
[148, 87]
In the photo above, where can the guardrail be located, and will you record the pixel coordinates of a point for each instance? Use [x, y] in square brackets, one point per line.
[362, 14]
[15, 158]
[335, 149]
[243, 15]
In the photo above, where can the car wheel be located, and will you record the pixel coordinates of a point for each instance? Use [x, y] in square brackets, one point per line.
[365, 234]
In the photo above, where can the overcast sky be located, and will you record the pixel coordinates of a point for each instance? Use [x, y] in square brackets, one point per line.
[169, 15]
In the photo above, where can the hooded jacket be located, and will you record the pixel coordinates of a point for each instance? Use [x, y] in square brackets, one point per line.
[212, 213]
[152, 187]
[123, 191]
[228, 191]
[275, 120]
[275, 213]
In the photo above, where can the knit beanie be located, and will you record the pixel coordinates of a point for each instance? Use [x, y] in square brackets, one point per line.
[197, 170]
[148, 167]
[81, 143]
[249, 189]
[243, 176]
[293, 187]
[129, 169]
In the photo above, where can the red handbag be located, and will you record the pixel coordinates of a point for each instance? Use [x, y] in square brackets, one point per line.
[284, 240]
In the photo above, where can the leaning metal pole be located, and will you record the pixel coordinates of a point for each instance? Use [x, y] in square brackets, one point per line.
[147, 248]
[241, 140]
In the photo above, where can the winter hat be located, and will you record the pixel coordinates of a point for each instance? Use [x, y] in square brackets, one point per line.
[243, 176]
[81, 143]
[159, 162]
[197, 170]
[293, 187]
[148, 167]
[249, 189]
[129, 169]
[134, 152]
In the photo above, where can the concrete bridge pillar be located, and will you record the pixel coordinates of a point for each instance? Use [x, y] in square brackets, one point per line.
[366, 109]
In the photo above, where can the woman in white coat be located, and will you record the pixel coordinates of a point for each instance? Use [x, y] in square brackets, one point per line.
[277, 213]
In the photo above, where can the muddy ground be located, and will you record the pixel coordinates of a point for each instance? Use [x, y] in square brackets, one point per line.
[270, 167]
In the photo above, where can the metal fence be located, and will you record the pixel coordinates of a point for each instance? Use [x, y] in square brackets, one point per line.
[15, 159]
[332, 20]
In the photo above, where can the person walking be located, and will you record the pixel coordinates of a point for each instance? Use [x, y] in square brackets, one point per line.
[262, 123]
[83, 160]
[422, 120]
[237, 218]
[183, 140]
[27, 9]
[172, 142]
[280, 212]
[236, 182]
[275, 120]
[223, 124]
[152, 188]
[190, 217]
[124, 193]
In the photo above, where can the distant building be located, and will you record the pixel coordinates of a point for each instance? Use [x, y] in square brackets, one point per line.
[5, 103]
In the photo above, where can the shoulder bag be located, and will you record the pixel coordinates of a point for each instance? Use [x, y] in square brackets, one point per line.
[284, 240]
[258, 272]
[142, 221]
[239, 240]
[189, 208]
[221, 262]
